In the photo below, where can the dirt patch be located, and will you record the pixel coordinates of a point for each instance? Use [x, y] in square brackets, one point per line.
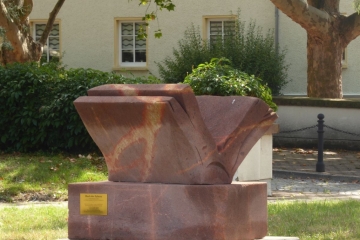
[35, 197]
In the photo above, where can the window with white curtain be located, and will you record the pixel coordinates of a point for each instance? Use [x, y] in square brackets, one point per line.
[132, 50]
[51, 50]
[220, 29]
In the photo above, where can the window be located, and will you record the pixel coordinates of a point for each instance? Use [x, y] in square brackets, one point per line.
[218, 27]
[130, 51]
[51, 50]
[133, 50]
[344, 62]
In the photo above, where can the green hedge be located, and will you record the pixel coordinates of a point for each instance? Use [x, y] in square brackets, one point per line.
[36, 103]
[219, 78]
[248, 48]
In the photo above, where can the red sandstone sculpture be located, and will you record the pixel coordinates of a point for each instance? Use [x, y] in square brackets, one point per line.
[171, 157]
[164, 134]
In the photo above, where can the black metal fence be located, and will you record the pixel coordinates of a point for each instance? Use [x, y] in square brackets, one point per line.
[320, 166]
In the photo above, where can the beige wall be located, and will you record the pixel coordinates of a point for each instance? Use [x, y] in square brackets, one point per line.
[87, 33]
[293, 38]
[351, 75]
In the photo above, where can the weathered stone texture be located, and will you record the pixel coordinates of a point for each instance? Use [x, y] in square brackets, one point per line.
[171, 157]
[171, 211]
[164, 134]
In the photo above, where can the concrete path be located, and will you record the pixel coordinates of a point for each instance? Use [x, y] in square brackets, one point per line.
[312, 189]
[295, 175]
[345, 164]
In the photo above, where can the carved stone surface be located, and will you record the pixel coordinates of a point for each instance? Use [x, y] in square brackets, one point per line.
[171, 211]
[164, 134]
[158, 142]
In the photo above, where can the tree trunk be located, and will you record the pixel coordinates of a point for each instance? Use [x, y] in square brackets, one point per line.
[330, 6]
[24, 48]
[328, 35]
[324, 67]
[324, 53]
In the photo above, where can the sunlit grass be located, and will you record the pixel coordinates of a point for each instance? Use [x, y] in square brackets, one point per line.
[306, 220]
[33, 223]
[315, 220]
[43, 177]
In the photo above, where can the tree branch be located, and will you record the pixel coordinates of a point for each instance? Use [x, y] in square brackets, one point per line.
[351, 27]
[3, 15]
[13, 35]
[51, 21]
[27, 9]
[8, 24]
[310, 18]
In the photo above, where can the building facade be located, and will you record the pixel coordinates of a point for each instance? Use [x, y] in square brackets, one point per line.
[101, 35]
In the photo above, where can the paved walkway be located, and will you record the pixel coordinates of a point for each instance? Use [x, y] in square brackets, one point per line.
[295, 175]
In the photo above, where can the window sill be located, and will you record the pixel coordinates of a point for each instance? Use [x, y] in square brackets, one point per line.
[119, 68]
[317, 102]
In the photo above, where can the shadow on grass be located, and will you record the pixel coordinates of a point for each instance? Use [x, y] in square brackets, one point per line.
[46, 174]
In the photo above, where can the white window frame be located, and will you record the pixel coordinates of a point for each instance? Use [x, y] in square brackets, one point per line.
[222, 27]
[38, 22]
[222, 18]
[118, 63]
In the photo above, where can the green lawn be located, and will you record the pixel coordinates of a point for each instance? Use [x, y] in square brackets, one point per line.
[33, 223]
[44, 177]
[315, 220]
[306, 220]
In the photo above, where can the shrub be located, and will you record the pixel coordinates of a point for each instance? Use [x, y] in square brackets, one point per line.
[219, 78]
[37, 108]
[191, 52]
[247, 47]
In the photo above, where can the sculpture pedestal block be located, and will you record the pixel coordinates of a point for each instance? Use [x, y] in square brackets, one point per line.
[170, 211]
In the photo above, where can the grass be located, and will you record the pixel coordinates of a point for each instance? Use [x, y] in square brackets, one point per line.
[33, 223]
[306, 220]
[45, 177]
[315, 220]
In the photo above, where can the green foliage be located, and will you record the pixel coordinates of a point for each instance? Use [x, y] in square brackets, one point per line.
[37, 108]
[17, 12]
[191, 52]
[247, 47]
[219, 78]
[357, 5]
[160, 5]
[4, 43]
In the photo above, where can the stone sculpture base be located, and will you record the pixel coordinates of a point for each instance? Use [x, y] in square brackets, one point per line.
[171, 211]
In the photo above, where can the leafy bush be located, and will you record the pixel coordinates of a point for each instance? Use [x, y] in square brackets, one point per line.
[219, 78]
[247, 47]
[37, 108]
[191, 52]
